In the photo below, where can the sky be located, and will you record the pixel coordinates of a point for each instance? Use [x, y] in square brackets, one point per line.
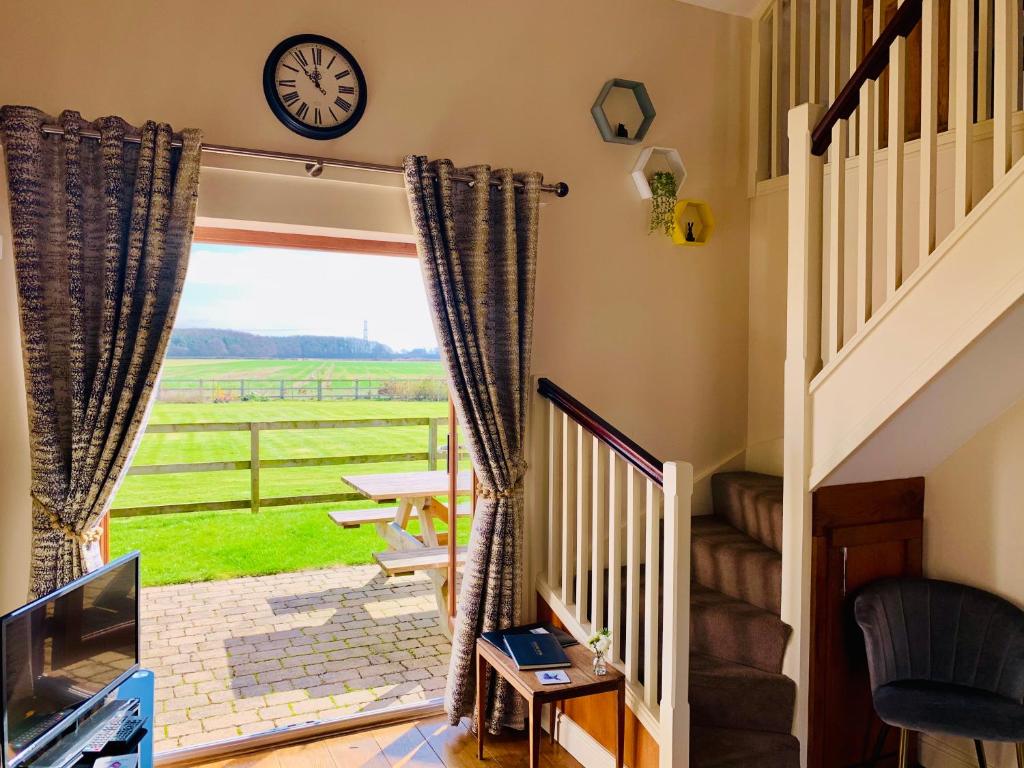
[281, 292]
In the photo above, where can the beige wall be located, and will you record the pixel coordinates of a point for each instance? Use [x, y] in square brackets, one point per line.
[766, 353]
[974, 527]
[651, 335]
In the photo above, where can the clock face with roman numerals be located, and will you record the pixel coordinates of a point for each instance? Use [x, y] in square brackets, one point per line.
[314, 86]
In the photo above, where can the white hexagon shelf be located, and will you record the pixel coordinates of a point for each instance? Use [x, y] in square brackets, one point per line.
[669, 156]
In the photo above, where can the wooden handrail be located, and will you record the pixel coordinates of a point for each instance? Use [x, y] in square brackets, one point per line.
[645, 461]
[903, 22]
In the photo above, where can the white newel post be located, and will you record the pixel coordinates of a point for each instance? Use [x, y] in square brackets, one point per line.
[674, 742]
[803, 360]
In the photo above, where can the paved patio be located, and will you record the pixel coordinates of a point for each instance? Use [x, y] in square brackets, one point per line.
[244, 655]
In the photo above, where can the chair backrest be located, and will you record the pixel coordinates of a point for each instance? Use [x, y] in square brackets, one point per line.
[922, 629]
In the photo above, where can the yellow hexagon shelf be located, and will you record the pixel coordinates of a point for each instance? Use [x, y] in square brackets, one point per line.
[693, 223]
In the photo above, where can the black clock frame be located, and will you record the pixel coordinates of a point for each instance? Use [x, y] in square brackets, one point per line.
[281, 111]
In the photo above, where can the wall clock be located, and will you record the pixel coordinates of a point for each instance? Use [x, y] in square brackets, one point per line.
[314, 86]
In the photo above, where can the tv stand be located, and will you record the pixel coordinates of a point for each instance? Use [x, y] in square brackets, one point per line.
[67, 751]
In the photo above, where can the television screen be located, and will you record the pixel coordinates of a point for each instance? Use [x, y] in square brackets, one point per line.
[63, 652]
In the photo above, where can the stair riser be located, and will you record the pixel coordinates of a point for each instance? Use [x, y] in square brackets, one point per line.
[758, 641]
[752, 504]
[728, 566]
[728, 748]
[754, 707]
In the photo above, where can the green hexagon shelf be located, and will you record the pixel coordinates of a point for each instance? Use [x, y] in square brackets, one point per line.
[643, 102]
[697, 213]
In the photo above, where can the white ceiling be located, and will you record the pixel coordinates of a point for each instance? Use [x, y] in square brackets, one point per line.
[735, 7]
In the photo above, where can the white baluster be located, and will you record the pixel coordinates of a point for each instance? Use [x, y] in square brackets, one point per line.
[599, 548]
[569, 430]
[963, 121]
[793, 7]
[929, 126]
[1005, 85]
[982, 61]
[634, 556]
[866, 203]
[813, 50]
[856, 44]
[554, 516]
[776, 88]
[894, 165]
[837, 195]
[652, 573]
[583, 513]
[616, 508]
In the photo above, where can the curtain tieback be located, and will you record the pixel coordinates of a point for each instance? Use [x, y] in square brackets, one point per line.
[59, 526]
[518, 474]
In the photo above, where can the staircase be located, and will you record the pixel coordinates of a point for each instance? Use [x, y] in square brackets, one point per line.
[693, 603]
[903, 296]
[741, 706]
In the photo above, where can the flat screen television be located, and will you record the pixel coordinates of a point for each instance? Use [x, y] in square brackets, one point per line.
[64, 653]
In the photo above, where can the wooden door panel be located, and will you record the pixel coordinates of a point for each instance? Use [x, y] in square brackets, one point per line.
[862, 532]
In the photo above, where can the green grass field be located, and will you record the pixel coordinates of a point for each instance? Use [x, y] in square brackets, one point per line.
[187, 368]
[201, 546]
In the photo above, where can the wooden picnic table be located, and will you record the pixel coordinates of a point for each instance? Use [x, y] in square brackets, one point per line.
[417, 496]
[406, 485]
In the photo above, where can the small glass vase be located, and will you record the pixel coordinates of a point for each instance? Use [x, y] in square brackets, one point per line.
[600, 667]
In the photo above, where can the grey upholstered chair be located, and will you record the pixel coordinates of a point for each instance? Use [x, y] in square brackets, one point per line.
[945, 658]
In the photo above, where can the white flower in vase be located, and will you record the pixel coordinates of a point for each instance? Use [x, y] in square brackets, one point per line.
[599, 643]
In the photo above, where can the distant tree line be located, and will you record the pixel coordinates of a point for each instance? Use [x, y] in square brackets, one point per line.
[219, 342]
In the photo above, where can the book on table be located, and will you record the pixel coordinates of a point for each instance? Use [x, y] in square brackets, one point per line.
[536, 651]
[497, 637]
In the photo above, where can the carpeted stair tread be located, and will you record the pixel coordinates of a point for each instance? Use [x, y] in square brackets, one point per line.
[751, 503]
[724, 694]
[734, 748]
[741, 707]
[732, 629]
[728, 561]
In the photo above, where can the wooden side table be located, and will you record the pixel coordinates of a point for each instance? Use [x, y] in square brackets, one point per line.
[582, 682]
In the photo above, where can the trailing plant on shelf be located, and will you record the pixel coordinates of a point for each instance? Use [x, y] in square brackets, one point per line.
[663, 201]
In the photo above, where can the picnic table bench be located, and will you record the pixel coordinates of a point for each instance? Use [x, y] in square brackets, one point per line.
[354, 518]
[417, 494]
[409, 561]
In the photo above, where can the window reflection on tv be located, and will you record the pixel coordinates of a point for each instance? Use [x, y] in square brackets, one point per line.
[61, 652]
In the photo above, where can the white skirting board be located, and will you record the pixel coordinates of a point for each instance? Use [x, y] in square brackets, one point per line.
[578, 743]
[934, 752]
[939, 752]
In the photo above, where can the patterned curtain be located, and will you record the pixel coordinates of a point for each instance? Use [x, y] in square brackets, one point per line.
[478, 249]
[102, 230]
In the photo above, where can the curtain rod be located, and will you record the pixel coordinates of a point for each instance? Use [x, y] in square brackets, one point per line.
[314, 165]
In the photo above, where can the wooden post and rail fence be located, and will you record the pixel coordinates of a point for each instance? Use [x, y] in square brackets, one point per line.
[256, 462]
[204, 390]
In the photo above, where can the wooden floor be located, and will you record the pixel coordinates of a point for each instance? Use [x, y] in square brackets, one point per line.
[424, 744]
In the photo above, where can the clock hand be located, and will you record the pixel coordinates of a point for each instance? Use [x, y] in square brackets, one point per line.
[305, 71]
[316, 76]
[315, 80]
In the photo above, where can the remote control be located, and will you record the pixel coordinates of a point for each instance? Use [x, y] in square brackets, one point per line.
[117, 735]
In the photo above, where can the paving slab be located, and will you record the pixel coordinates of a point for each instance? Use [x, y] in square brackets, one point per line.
[240, 656]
